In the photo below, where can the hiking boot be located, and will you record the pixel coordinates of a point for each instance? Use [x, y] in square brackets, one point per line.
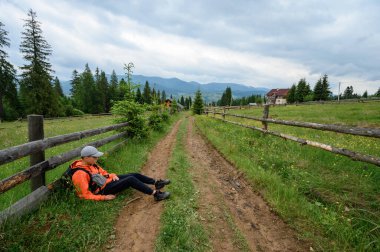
[161, 183]
[161, 195]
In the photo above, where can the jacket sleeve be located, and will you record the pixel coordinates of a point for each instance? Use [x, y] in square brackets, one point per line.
[81, 182]
[103, 172]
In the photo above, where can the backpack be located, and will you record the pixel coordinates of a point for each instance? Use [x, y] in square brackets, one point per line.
[66, 179]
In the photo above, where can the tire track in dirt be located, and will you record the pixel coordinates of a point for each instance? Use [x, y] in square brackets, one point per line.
[138, 224]
[225, 195]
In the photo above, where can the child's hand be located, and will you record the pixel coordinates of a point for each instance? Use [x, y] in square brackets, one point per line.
[109, 197]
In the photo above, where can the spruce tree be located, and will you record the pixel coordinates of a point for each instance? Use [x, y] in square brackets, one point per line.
[291, 98]
[88, 102]
[378, 93]
[198, 103]
[325, 88]
[103, 90]
[76, 90]
[302, 90]
[130, 87]
[163, 96]
[365, 94]
[123, 86]
[147, 93]
[114, 88]
[8, 90]
[139, 98]
[318, 91]
[36, 90]
[57, 87]
[159, 97]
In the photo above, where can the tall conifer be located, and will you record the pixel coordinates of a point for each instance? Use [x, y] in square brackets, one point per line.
[198, 103]
[36, 90]
[8, 91]
[114, 87]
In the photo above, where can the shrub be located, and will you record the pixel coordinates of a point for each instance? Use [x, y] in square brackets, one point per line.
[165, 116]
[77, 112]
[155, 121]
[132, 113]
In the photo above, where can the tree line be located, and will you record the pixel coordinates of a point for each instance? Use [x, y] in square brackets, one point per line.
[301, 92]
[228, 100]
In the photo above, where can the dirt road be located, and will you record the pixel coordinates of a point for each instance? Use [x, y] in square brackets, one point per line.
[238, 218]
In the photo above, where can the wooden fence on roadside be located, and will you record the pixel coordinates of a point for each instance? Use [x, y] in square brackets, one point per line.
[38, 165]
[367, 132]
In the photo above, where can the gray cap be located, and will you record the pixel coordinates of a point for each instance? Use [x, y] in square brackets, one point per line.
[90, 151]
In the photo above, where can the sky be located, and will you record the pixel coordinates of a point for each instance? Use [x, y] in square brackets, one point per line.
[260, 43]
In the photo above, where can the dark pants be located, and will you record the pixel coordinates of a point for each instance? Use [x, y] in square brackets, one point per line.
[134, 180]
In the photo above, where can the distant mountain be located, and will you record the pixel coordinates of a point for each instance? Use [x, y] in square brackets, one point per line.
[177, 88]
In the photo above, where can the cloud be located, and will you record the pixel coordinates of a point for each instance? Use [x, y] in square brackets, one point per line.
[260, 43]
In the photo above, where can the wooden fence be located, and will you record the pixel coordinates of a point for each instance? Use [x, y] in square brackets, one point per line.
[367, 132]
[38, 165]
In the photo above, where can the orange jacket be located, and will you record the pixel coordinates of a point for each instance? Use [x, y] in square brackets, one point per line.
[81, 180]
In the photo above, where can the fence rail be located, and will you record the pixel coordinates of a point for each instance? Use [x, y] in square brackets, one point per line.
[368, 132]
[16, 152]
[326, 127]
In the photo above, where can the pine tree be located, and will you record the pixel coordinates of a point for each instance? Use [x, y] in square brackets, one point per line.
[365, 94]
[113, 88]
[154, 96]
[163, 96]
[130, 87]
[291, 98]
[8, 89]
[325, 88]
[378, 93]
[76, 90]
[36, 90]
[139, 98]
[147, 93]
[103, 91]
[348, 92]
[57, 87]
[318, 91]
[198, 103]
[89, 104]
[302, 90]
[159, 97]
[123, 86]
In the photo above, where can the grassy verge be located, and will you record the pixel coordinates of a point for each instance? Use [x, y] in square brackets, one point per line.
[181, 228]
[328, 199]
[65, 223]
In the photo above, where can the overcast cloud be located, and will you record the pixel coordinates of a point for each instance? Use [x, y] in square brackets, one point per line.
[260, 43]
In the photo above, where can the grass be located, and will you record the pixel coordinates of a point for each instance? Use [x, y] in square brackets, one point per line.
[181, 228]
[65, 223]
[329, 199]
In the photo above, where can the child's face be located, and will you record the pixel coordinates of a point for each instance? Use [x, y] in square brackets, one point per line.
[90, 160]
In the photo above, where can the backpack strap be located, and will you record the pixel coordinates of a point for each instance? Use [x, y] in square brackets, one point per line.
[92, 186]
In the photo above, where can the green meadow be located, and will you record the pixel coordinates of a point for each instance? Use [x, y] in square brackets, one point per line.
[329, 199]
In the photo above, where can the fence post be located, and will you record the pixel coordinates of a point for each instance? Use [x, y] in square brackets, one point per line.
[265, 116]
[36, 132]
[224, 113]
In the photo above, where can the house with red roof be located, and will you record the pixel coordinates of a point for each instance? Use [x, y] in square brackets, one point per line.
[277, 96]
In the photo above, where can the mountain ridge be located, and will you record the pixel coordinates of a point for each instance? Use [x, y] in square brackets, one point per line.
[176, 87]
